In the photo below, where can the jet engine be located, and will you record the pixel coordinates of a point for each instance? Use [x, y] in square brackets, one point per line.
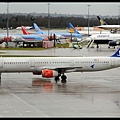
[49, 73]
[113, 43]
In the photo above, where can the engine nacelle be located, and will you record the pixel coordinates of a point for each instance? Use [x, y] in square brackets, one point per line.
[113, 43]
[49, 73]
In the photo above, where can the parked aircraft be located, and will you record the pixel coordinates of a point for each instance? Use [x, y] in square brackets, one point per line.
[11, 38]
[33, 38]
[63, 35]
[105, 26]
[38, 32]
[85, 32]
[111, 39]
[20, 38]
[55, 67]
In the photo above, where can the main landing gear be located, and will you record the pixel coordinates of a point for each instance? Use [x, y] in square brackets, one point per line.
[97, 46]
[0, 78]
[63, 78]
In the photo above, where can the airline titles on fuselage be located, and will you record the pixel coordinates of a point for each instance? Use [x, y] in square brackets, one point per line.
[100, 36]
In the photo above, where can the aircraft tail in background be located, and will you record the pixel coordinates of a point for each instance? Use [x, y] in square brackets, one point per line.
[24, 31]
[116, 54]
[38, 31]
[102, 22]
[72, 28]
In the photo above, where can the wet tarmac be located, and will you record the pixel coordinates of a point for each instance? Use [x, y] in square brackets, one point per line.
[95, 94]
[85, 95]
[102, 51]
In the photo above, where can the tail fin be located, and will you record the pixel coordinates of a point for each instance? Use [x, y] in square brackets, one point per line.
[24, 31]
[38, 31]
[72, 28]
[102, 22]
[116, 54]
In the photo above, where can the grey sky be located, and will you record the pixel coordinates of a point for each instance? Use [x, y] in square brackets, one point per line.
[97, 8]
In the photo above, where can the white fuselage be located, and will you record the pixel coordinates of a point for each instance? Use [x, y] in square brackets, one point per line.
[109, 27]
[105, 36]
[71, 64]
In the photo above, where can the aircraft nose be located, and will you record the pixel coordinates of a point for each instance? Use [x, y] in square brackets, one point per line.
[88, 39]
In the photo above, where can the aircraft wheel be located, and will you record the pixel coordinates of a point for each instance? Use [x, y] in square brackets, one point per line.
[97, 46]
[63, 77]
[57, 79]
[63, 81]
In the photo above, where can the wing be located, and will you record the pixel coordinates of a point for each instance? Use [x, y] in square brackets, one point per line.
[61, 69]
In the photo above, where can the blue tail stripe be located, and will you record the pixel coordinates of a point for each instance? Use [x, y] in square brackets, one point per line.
[116, 54]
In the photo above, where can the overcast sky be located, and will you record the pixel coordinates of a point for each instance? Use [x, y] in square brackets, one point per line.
[97, 8]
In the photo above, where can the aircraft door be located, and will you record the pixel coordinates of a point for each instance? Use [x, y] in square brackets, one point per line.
[71, 62]
[1, 63]
[32, 63]
[112, 62]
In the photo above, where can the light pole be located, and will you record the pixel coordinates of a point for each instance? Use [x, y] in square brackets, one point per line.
[88, 19]
[7, 23]
[48, 20]
[118, 15]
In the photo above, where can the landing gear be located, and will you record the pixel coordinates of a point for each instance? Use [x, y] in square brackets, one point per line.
[63, 79]
[0, 78]
[97, 46]
[57, 79]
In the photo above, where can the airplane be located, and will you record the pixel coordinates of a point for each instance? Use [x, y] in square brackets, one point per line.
[74, 34]
[111, 39]
[56, 67]
[38, 32]
[11, 38]
[41, 33]
[85, 32]
[105, 26]
[33, 38]
[20, 38]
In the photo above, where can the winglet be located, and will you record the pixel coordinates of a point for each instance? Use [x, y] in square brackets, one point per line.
[116, 54]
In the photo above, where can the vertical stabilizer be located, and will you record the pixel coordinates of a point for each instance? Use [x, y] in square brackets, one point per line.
[72, 28]
[24, 31]
[102, 22]
[38, 31]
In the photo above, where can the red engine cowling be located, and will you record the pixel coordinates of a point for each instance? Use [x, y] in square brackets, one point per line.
[36, 73]
[49, 73]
